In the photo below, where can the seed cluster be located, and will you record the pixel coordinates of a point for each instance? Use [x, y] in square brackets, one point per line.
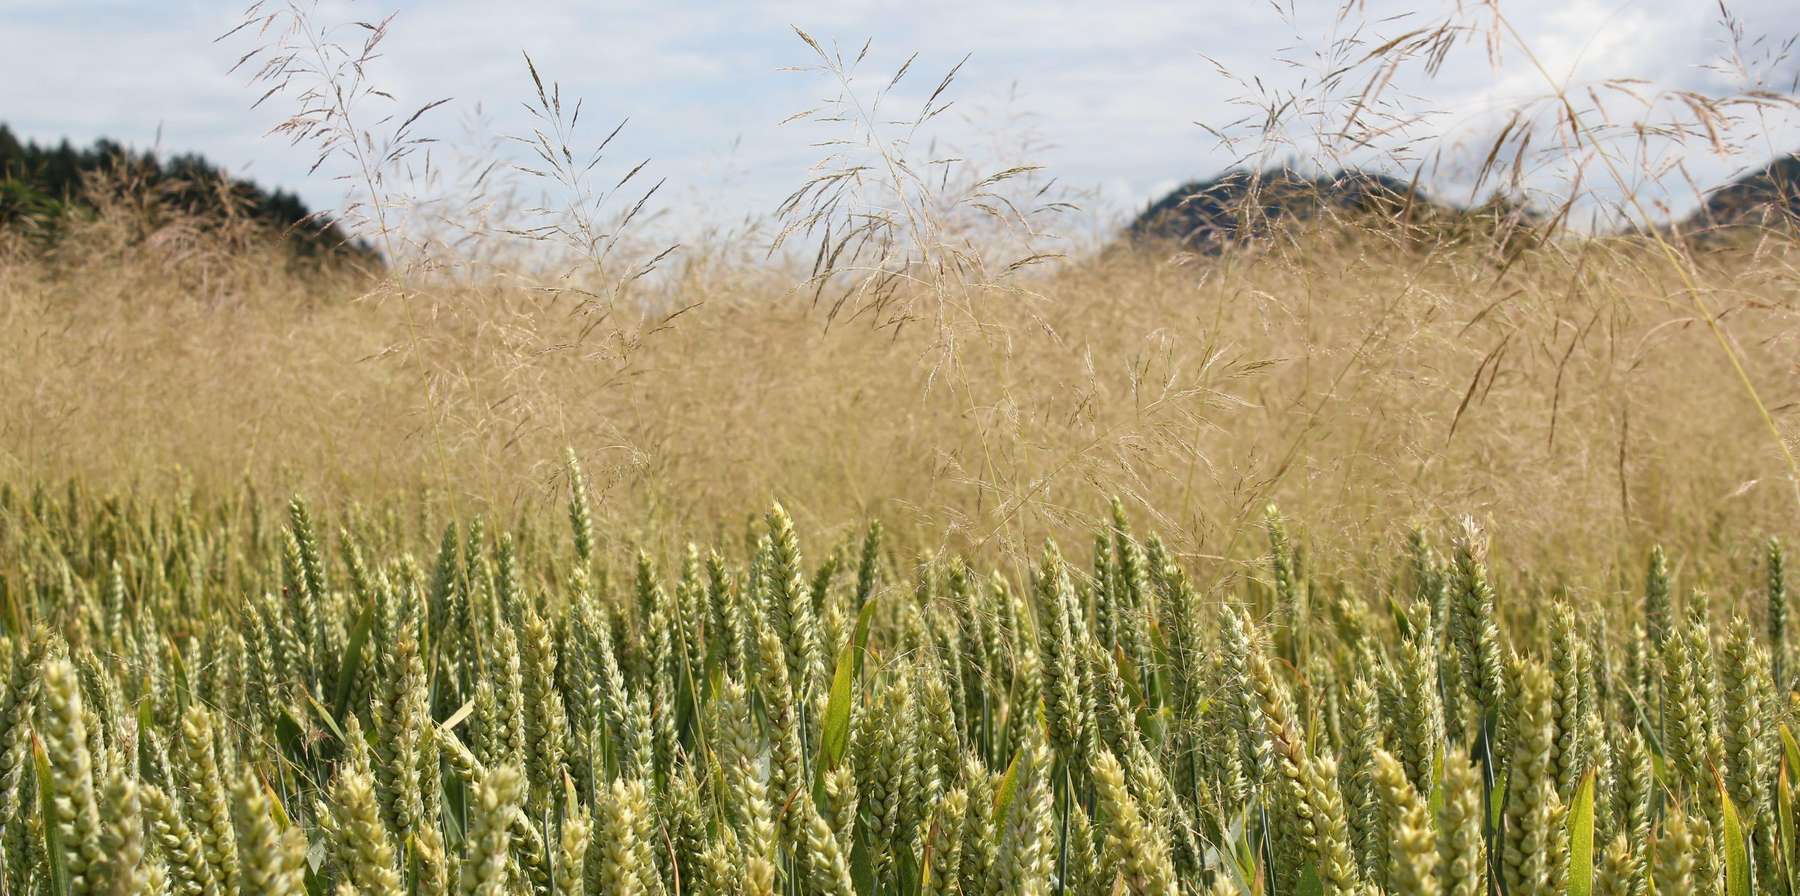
[199, 700]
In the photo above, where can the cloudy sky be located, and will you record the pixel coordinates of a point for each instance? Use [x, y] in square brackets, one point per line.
[1115, 97]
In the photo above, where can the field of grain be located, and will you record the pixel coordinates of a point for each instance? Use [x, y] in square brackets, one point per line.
[892, 545]
[205, 696]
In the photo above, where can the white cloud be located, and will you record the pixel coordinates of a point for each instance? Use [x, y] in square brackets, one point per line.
[1115, 89]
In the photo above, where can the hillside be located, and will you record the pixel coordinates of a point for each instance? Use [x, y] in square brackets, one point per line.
[40, 185]
[1769, 198]
[1239, 205]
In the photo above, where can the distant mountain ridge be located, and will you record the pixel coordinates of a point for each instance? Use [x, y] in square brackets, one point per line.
[1241, 206]
[41, 184]
[1769, 198]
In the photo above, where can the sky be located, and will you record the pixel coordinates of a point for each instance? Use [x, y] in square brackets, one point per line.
[1119, 100]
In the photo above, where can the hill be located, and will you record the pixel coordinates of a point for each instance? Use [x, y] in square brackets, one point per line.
[1239, 205]
[1769, 198]
[40, 185]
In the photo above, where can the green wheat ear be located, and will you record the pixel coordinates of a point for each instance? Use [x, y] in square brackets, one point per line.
[360, 841]
[273, 858]
[75, 810]
[1620, 871]
[1675, 868]
[1462, 852]
[580, 520]
[944, 856]
[1777, 614]
[1136, 852]
[513, 721]
[1529, 859]
[1412, 855]
[123, 837]
[486, 866]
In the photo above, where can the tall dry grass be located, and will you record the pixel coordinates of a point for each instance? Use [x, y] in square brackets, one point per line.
[1359, 381]
[920, 364]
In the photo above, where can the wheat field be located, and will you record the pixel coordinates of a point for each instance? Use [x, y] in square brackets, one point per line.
[894, 545]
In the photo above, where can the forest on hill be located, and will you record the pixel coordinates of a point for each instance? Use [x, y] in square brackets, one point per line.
[42, 185]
